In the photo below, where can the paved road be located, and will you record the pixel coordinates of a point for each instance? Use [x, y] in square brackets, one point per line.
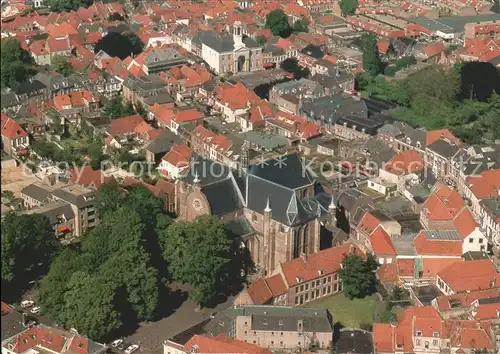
[150, 336]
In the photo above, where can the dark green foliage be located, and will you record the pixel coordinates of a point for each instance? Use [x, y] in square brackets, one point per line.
[434, 98]
[261, 40]
[16, 64]
[301, 25]
[28, 246]
[199, 266]
[348, 7]
[371, 60]
[116, 108]
[117, 263]
[358, 275]
[292, 66]
[478, 81]
[120, 45]
[277, 22]
[400, 64]
[67, 5]
[61, 65]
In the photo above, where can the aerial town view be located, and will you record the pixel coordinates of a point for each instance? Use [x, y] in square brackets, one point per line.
[250, 176]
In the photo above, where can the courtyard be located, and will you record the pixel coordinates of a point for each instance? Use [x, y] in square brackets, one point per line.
[350, 313]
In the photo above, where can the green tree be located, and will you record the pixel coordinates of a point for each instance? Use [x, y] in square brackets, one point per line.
[28, 246]
[116, 108]
[292, 66]
[261, 40]
[358, 275]
[135, 42]
[96, 154]
[348, 7]
[67, 5]
[371, 60]
[61, 65]
[198, 266]
[16, 63]
[277, 22]
[89, 305]
[301, 25]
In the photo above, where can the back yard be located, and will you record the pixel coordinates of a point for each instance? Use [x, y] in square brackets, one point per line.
[350, 313]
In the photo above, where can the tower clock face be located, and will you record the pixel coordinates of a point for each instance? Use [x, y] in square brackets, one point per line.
[197, 204]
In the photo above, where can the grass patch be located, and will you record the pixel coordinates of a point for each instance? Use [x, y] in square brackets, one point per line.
[350, 313]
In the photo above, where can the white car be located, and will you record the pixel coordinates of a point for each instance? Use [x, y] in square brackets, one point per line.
[116, 343]
[131, 349]
[27, 303]
[35, 310]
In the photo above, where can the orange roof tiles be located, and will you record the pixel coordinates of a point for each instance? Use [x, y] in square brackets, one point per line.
[221, 344]
[178, 156]
[469, 276]
[125, 125]
[465, 299]
[388, 273]
[11, 129]
[87, 176]
[189, 115]
[405, 162]
[434, 49]
[435, 135]
[235, 96]
[426, 246]
[381, 242]
[383, 338]
[368, 223]
[328, 261]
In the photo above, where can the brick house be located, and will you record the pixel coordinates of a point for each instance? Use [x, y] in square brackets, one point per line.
[15, 140]
[175, 163]
[76, 104]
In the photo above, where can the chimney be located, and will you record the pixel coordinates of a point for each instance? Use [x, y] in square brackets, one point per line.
[25, 319]
[351, 248]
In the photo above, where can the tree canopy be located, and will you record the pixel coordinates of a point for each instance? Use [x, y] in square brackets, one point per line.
[371, 60]
[116, 108]
[292, 66]
[67, 5]
[277, 22]
[199, 266]
[28, 246]
[61, 65]
[358, 275]
[348, 7]
[117, 261]
[301, 25]
[436, 98]
[261, 39]
[16, 64]
[120, 45]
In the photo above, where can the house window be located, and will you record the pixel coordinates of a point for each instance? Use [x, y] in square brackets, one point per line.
[435, 342]
[254, 217]
[480, 240]
[419, 333]
[418, 342]
[282, 228]
[471, 240]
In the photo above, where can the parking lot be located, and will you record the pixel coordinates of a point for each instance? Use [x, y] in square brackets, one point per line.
[151, 335]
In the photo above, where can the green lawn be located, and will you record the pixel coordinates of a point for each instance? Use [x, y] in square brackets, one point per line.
[350, 313]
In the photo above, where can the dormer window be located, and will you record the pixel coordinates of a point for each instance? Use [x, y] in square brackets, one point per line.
[419, 333]
[435, 334]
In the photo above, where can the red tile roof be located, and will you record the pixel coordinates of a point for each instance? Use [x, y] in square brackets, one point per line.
[86, 176]
[383, 334]
[328, 261]
[437, 247]
[125, 125]
[11, 129]
[223, 345]
[388, 273]
[487, 184]
[368, 223]
[178, 156]
[405, 162]
[435, 135]
[235, 96]
[434, 49]
[465, 300]
[470, 276]
[381, 242]
[264, 289]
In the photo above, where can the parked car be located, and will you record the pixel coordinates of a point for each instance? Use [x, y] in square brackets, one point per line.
[27, 303]
[131, 349]
[35, 310]
[116, 343]
[121, 346]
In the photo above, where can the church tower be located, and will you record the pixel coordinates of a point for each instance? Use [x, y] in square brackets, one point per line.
[238, 35]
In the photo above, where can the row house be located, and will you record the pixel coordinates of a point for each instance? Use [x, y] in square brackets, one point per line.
[217, 147]
[301, 280]
[175, 118]
[485, 185]
[147, 91]
[469, 276]
[292, 127]
[474, 305]
[279, 328]
[15, 140]
[175, 163]
[215, 345]
[421, 330]
[370, 25]
[129, 131]
[76, 105]
[288, 95]
[446, 210]
[483, 29]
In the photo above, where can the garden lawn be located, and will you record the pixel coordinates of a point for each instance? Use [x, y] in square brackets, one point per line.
[350, 313]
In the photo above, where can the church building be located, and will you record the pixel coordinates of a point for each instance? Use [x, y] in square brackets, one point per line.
[270, 207]
[226, 52]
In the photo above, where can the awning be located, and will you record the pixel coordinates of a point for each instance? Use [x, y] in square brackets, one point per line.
[21, 152]
[269, 65]
[347, 164]
[62, 228]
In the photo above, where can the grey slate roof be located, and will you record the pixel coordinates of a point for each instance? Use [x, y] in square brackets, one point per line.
[443, 235]
[221, 42]
[443, 148]
[163, 143]
[238, 227]
[36, 192]
[331, 108]
[223, 196]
